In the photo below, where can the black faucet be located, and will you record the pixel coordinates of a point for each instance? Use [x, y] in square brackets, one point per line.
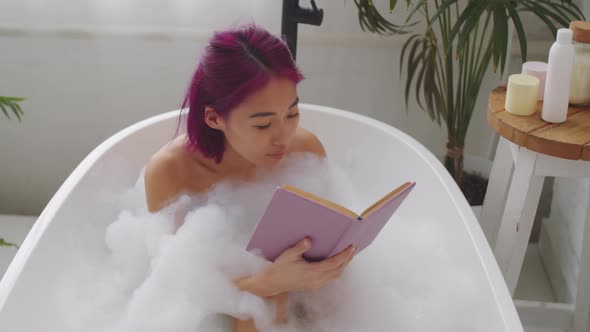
[293, 15]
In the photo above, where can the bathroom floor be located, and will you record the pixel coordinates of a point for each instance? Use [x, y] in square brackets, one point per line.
[533, 284]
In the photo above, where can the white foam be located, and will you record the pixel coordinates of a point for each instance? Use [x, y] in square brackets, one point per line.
[159, 279]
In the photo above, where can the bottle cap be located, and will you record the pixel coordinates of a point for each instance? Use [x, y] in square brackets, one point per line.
[581, 31]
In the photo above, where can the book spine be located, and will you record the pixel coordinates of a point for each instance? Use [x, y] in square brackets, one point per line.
[349, 237]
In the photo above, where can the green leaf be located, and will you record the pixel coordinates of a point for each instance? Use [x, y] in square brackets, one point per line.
[4, 110]
[15, 99]
[421, 68]
[440, 9]
[472, 12]
[532, 7]
[563, 21]
[392, 4]
[404, 49]
[15, 109]
[571, 7]
[12, 104]
[472, 21]
[562, 11]
[577, 10]
[416, 8]
[520, 32]
[371, 20]
[412, 61]
[500, 37]
[431, 91]
[4, 243]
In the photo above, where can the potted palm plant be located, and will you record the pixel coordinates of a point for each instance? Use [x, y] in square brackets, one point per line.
[446, 62]
[10, 105]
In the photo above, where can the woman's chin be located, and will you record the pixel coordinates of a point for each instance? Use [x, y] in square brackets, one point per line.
[272, 161]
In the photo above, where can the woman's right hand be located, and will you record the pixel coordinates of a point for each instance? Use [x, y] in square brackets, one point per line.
[291, 272]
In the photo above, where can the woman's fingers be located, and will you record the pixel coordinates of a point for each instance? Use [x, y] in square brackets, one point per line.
[300, 248]
[332, 275]
[323, 274]
[336, 261]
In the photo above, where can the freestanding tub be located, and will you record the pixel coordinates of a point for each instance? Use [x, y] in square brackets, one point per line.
[361, 144]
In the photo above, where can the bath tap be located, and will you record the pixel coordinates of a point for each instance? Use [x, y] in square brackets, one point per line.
[293, 15]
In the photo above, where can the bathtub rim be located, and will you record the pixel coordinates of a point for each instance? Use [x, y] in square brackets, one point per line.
[495, 279]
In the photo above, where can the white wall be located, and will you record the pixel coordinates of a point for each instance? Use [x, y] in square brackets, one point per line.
[90, 68]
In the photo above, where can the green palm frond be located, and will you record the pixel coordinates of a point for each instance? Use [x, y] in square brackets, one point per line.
[553, 13]
[371, 20]
[446, 64]
[424, 64]
[4, 243]
[11, 105]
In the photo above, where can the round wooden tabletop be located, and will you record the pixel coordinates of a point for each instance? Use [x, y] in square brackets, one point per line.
[568, 140]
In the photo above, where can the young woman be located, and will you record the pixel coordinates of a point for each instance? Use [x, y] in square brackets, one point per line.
[243, 118]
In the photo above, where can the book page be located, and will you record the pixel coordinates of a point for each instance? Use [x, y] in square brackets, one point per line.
[322, 201]
[384, 200]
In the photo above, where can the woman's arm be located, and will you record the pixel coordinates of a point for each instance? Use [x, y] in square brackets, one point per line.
[257, 285]
[162, 185]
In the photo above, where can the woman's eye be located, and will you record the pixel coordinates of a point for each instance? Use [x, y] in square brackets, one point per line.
[290, 116]
[263, 127]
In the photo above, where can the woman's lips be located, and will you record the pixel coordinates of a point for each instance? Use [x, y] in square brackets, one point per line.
[277, 156]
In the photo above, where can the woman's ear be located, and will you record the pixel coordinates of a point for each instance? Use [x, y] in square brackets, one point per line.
[213, 120]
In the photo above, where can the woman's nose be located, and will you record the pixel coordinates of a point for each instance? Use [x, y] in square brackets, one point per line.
[279, 141]
[280, 138]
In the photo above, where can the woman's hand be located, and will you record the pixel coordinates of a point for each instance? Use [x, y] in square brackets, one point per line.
[291, 272]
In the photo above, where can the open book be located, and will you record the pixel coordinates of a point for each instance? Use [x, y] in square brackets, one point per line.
[293, 214]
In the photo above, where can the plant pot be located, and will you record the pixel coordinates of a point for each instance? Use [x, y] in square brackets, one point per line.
[475, 165]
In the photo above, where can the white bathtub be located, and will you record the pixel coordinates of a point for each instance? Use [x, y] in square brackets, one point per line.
[360, 144]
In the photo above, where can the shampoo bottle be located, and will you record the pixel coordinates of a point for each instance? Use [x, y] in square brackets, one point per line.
[559, 76]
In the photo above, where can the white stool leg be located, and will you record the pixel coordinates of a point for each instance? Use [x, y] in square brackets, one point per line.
[583, 285]
[495, 199]
[518, 217]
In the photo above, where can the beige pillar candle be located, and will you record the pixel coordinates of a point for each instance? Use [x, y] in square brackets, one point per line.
[522, 94]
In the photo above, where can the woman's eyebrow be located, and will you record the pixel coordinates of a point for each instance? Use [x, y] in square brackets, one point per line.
[295, 102]
[262, 114]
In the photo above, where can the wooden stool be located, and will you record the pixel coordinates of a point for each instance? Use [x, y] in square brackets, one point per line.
[529, 150]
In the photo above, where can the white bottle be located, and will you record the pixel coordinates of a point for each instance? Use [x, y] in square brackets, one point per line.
[559, 76]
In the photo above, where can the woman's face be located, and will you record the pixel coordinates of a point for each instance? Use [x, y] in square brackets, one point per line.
[262, 127]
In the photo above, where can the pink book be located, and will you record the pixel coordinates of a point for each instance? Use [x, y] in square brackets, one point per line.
[293, 214]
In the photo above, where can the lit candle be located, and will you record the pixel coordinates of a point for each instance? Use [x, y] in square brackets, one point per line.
[539, 70]
[522, 94]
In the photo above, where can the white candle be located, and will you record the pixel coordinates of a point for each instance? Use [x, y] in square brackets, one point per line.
[522, 94]
[539, 70]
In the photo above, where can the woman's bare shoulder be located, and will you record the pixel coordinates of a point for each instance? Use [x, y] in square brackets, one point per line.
[306, 141]
[169, 174]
